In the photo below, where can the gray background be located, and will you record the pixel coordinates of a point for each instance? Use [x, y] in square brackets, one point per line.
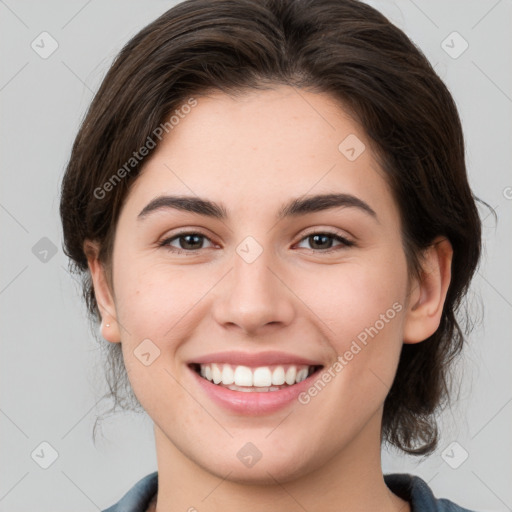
[51, 372]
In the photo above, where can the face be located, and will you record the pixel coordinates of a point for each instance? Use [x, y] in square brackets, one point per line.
[265, 286]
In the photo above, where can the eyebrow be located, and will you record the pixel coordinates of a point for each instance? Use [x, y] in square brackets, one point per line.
[296, 207]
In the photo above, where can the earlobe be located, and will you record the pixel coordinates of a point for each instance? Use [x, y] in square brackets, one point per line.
[428, 292]
[109, 327]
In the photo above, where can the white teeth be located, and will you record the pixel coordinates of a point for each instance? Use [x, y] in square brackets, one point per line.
[253, 389]
[290, 375]
[301, 375]
[216, 374]
[263, 377]
[278, 376]
[243, 376]
[228, 375]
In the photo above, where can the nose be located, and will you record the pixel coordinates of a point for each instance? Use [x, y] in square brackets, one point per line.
[254, 297]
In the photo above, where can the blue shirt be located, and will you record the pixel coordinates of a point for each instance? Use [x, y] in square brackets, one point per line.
[409, 487]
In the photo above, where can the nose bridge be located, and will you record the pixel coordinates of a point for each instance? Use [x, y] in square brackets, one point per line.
[255, 296]
[251, 270]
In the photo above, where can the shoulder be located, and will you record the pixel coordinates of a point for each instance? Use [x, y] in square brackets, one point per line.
[138, 497]
[417, 492]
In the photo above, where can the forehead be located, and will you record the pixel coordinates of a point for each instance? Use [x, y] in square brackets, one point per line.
[259, 147]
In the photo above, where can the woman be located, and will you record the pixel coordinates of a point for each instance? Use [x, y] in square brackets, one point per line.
[269, 204]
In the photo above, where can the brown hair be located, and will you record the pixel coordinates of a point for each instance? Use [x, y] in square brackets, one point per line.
[341, 47]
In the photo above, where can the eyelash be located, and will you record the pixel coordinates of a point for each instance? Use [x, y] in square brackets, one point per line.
[345, 242]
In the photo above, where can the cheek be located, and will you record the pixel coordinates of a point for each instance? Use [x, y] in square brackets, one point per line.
[362, 304]
[152, 302]
[351, 297]
[151, 296]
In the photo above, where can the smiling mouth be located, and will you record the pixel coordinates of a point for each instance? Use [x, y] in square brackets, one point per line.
[260, 379]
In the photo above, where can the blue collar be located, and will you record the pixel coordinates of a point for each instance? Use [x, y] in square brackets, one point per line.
[408, 487]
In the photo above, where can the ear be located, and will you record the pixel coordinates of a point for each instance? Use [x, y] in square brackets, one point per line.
[104, 296]
[427, 294]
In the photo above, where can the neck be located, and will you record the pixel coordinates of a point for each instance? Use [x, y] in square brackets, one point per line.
[349, 480]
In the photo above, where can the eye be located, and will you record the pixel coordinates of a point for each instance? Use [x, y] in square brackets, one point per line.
[324, 240]
[187, 242]
[190, 242]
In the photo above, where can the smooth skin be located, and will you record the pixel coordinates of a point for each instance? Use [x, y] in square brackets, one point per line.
[253, 153]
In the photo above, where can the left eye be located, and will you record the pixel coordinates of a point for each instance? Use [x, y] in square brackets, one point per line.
[321, 239]
[190, 242]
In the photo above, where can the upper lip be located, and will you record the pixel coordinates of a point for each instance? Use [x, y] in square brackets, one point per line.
[254, 359]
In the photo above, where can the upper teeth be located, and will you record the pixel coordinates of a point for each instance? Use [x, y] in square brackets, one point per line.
[262, 376]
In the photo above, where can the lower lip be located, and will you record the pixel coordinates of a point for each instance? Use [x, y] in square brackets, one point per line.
[253, 403]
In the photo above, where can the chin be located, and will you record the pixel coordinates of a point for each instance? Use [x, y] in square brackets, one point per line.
[266, 471]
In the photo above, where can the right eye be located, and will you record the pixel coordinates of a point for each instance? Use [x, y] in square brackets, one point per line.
[188, 242]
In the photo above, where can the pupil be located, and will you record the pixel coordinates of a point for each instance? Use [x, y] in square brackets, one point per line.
[317, 237]
[187, 241]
